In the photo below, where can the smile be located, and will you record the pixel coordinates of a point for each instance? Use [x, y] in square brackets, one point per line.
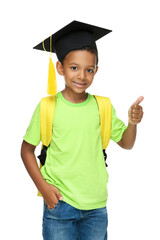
[79, 84]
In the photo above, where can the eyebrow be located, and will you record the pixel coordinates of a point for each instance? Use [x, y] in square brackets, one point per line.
[73, 64]
[93, 66]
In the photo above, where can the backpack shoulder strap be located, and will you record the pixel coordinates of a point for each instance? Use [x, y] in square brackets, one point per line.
[105, 110]
[47, 107]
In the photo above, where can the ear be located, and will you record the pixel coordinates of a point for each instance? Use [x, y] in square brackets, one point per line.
[59, 68]
[96, 70]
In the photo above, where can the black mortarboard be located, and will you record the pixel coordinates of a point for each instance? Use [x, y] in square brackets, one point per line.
[73, 36]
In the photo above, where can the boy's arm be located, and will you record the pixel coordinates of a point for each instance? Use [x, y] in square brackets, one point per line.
[49, 192]
[135, 115]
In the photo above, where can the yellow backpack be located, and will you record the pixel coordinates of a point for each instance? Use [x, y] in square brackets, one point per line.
[47, 107]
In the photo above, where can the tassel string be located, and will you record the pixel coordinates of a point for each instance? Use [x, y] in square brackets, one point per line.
[52, 83]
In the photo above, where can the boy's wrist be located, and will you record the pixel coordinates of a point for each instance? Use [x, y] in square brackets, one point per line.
[131, 123]
[42, 186]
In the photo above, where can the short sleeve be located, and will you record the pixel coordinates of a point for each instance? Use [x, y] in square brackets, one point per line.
[117, 127]
[32, 135]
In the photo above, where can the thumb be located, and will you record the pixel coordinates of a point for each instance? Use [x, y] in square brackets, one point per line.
[138, 101]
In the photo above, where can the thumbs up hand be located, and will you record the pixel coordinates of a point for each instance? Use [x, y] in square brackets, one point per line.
[135, 112]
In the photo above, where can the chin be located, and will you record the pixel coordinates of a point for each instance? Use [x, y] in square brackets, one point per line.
[80, 90]
[76, 90]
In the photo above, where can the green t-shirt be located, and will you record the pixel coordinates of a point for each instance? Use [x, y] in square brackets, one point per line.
[75, 162]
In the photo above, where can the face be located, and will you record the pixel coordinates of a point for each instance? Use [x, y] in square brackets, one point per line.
[79, 68]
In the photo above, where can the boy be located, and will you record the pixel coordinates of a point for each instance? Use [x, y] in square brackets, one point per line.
[73, 179]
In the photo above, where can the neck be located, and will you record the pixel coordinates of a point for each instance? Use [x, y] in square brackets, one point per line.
[74, 97]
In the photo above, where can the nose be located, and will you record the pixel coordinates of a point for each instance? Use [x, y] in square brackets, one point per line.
[82, 75]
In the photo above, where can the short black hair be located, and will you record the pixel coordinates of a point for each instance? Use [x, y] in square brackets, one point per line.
[89, 49]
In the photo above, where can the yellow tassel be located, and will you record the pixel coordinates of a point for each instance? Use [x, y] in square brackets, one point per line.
[52, 83]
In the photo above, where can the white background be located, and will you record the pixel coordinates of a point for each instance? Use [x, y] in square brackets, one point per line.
[128, 68]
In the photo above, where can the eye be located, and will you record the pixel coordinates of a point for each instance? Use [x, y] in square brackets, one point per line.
[90, 70]
[74, 68]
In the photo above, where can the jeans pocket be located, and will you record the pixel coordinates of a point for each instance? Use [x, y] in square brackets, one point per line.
[56, 207]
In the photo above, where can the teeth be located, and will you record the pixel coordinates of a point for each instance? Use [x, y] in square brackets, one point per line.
[80, 83]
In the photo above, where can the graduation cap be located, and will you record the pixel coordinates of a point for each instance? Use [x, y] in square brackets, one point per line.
[74, 36]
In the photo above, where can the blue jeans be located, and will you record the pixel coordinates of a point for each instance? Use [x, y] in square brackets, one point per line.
[65, 222]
